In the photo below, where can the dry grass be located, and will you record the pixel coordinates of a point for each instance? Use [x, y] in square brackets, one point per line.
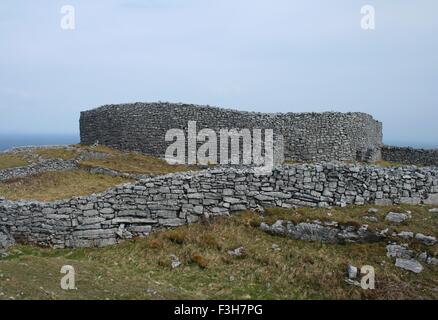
[50, 186]
[55, 153]
[61, 185]
[388, 164]
[12, 161]
[132, 162]
[140, 269]
[98, 148]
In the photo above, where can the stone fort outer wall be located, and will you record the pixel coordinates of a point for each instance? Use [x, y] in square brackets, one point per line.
[307, 136]
[137, 209]
[406, 155]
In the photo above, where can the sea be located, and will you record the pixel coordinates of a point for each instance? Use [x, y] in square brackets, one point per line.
[8, 141]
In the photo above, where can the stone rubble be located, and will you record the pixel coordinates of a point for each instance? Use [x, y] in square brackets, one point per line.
[407, 258]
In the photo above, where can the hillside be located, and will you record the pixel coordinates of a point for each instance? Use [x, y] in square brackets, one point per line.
[269, 267]
[277, 253]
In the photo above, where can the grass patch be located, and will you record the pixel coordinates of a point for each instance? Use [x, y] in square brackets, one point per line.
[56, 153]
[50, 186]
[140, 269]
[12, 161]
[388, 164]
[132, 162]
[99, 148]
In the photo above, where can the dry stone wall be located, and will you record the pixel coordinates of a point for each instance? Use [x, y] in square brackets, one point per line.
[181, 198]
[307, 136]
[428, 157]
[36, 168]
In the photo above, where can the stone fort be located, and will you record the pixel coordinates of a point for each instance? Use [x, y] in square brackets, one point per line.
[306, 136]
[153, 203]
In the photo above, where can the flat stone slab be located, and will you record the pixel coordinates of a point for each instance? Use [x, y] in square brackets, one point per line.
[329, 232]
[409, 264]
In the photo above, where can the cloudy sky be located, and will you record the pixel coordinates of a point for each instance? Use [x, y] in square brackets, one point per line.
[269, 56]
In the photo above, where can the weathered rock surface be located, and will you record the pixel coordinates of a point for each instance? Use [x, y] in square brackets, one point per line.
[409, 264]
[175, 262]
[399, 251]
[351, 272]
[427, 240]
[6, 240]
[321, 232]
[396, 217]
[238, 252]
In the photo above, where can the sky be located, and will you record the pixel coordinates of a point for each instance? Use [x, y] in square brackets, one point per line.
[267, 56]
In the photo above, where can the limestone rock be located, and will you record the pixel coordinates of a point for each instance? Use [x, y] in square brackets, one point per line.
[398, 251]
[6, 239]
[351, 271]
[328, 232]
[396, 217]
[427, 240]
[405, 235]
[175, 263]
[238, 252]
[409, 264]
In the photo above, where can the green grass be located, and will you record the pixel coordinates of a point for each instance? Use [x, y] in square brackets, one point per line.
[140, 269]
[12, 161]
[50, 186]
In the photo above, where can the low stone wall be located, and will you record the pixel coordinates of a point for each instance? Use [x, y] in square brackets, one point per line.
[175, 199]
[36, 168]
[40, 165]
[428, 157]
